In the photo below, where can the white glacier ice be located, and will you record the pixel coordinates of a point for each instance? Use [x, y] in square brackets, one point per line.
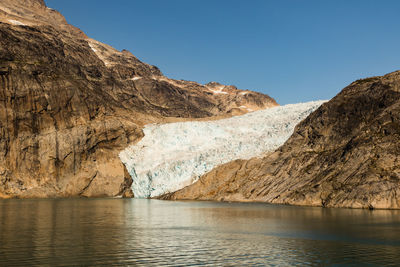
[174, 155]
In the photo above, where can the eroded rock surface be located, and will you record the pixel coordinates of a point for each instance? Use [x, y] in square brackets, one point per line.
[69, 104]
[345, 154]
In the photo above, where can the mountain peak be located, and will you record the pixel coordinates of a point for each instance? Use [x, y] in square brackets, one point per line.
[84, 98]
[212, 84]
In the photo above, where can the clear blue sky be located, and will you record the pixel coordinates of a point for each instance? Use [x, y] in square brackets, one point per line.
[293, 50]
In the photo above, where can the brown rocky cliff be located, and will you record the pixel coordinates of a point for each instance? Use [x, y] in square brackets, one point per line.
[69, 104]
[345, 154]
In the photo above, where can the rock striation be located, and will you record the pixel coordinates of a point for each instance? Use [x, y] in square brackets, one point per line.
[69, 104]
[345, 154]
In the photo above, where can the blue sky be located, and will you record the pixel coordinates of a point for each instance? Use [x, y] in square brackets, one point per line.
[292, 50]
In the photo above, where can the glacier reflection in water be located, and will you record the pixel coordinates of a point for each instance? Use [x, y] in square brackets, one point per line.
[173, 155]
[155, 233]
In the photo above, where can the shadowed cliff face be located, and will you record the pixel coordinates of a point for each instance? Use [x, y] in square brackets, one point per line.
[69, 104]
[345, 154]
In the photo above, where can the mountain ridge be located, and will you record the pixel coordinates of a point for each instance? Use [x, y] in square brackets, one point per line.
[69, 104]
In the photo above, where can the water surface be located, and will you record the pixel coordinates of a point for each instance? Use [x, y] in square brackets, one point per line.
[106, 232]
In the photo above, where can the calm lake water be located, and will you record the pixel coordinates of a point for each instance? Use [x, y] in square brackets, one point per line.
[91, 232]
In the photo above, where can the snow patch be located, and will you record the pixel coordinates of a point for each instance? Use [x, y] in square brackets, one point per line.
[246, 107]
[16, 22]
[244, 93]
[92, 47]
[218, 90]
[173, 82]
[174, 155]
[135, 78]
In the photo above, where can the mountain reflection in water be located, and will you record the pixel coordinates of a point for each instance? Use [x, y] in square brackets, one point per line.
[152, 232]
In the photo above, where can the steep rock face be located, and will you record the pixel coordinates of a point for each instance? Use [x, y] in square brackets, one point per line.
[69, 104]
[345, 154]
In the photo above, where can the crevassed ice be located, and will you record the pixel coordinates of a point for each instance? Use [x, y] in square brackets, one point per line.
[174, 155]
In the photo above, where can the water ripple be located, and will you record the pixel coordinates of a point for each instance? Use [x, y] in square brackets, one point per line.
[118, 232]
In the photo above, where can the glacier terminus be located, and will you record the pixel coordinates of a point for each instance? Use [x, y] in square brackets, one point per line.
[174, 155]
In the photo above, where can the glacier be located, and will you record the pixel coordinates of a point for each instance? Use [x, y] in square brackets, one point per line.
[174, 155]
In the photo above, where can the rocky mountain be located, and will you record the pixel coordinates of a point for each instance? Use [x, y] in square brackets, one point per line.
[345, 154]
[69, 104]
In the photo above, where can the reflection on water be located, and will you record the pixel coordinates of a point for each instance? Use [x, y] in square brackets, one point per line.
[151, 232]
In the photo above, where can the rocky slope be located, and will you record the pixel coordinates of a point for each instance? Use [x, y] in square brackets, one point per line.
[345, 154]
[69, 104]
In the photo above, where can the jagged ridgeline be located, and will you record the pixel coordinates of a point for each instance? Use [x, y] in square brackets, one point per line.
[69, 104]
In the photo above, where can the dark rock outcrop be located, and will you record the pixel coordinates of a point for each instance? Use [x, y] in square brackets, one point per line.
[69, 104]
[345, 154]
